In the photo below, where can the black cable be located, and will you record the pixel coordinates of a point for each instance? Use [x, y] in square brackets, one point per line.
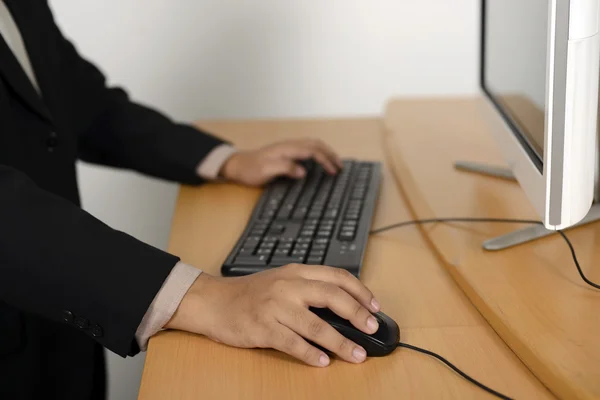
[455, 369]
[501, 220]
[585, 279]
[433, 220]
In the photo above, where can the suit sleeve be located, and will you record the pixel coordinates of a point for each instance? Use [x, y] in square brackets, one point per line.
[61, 263]
[118, 132]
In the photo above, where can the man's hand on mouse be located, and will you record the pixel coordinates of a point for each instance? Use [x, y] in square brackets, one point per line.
[257, 167]
[269, 309]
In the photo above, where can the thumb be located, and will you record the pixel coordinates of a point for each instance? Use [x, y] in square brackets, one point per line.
[282, 167]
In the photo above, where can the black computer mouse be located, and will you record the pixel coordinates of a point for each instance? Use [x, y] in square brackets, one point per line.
[379, 344]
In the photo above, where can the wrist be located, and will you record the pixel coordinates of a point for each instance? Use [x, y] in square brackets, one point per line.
[191, 314]
[230, 168]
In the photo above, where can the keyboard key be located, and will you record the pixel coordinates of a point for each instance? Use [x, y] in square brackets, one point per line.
[319, 247]
[279, 261]
[301, 252]
[284, 215]
[281, 252]
[331, 213]
[317, 253]
[268, 213]
[346, 236]
[264, 252]
[250, 246]
[301, 246]
[285, 246]
[307, 233]
[287, 207]
[246, 251]
[268, 239]
[300, 213]
[267, 245]
[314, 261]
[324, 234]
[322, 241]
[251, 260]
[277, 229]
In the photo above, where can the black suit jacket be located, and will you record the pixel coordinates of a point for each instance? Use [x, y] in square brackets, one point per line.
[68, 283]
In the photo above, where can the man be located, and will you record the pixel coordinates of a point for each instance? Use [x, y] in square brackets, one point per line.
[70, 285]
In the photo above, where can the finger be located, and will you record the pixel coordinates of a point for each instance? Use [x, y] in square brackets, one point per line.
[287, 341]
[345, 280]
[328, 295]
[325, 162]
[323, 154]
[305, 149]
[281, 167]
[331, 154]
[313, 328]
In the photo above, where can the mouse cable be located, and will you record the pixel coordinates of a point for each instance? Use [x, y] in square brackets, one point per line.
[501, 220]
[455, 369]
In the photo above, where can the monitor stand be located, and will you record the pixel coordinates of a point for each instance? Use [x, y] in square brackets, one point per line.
[524, 235]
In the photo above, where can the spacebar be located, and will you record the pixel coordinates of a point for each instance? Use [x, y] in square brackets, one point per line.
[251, 260]
[279, 261]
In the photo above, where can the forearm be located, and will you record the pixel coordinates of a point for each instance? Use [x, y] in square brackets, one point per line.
[55, 257]
[131, 136]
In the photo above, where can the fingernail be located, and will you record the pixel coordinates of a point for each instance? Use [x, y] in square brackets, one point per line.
[372, 324]
[324, 360]
[359, 354]
[375, 305]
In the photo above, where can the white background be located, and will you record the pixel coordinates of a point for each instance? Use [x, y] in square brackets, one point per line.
[198, 59]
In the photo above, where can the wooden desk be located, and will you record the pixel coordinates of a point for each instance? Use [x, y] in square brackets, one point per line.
[412, 285]
[532, 295]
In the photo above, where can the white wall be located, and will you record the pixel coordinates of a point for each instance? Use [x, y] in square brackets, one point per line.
[263, 58]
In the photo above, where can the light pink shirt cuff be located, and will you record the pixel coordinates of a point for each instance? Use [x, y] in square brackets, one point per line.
[210, 167]
[166, 302]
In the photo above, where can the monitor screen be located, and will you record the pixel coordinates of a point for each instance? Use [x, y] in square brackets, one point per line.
[514, 51]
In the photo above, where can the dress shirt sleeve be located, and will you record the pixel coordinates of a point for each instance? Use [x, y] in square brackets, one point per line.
[166, 302]
[210, 166]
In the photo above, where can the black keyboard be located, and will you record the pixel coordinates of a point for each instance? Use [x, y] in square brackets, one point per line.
[319, 220]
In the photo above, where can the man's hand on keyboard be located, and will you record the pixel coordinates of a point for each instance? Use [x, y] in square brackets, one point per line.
[257, 167]
[269, 309]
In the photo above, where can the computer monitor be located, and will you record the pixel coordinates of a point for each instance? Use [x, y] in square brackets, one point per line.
[539, 75]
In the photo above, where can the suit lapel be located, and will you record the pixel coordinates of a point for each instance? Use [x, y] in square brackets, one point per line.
[15, 77]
